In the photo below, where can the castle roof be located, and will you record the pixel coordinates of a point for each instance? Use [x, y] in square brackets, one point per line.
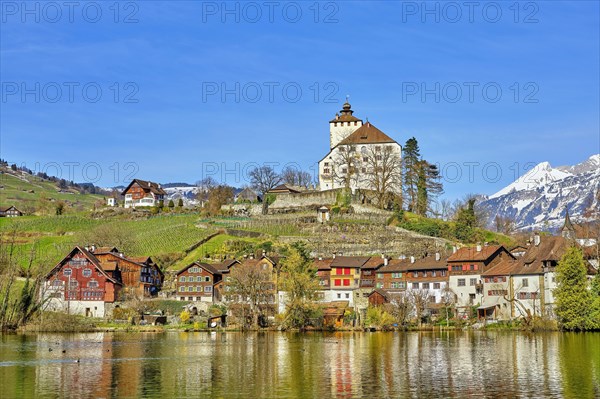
[367, 134]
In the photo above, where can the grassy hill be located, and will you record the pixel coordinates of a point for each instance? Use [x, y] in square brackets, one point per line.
[32, 194]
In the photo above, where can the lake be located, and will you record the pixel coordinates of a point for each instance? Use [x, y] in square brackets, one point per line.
[292, 365]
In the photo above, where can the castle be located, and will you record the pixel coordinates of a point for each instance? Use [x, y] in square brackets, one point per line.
[358, 153]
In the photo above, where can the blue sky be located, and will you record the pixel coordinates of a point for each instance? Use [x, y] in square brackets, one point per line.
[161, 68]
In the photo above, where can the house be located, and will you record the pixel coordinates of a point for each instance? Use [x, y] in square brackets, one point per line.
[345, 277]
[196, 282]
[111, 201]
[143, 193]
[10, 212]
[268, 265]
[140, 276]
[428, 277]
[367, 281]
[465, 267]
[497, 303]
[247, 195]
[392, 277]
[323, 268]
[353, 148]
[378, 297]
[78, 284]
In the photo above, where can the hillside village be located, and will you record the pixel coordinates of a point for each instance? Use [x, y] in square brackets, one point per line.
[361, 250]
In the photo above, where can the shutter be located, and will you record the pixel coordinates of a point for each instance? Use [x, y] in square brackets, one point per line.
[449, 268]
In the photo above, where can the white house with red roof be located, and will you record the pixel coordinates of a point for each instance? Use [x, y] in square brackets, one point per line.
[356, 150]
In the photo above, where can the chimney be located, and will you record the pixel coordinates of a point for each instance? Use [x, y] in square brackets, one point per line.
[251, 256]
[264, 253]
[402, 257]
[320, 258]
[437, 256]
[334, 255]
[121, 254]
[412, 259]
[485, 244]
[536, 239]
[478, 247]
[385, 261]
[93, 248]
[454, 249]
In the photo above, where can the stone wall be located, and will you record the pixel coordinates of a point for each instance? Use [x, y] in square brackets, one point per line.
[306, 200]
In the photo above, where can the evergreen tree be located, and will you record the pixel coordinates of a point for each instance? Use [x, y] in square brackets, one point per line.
[466, 220]
[573, 299]
[171, 204]
[411, 158]
[422, 197]
[595, 313]
[180, 203]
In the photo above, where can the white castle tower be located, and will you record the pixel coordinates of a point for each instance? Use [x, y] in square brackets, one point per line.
[343, 125]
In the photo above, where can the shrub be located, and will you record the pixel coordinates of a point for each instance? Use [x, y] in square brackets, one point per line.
[185, 316]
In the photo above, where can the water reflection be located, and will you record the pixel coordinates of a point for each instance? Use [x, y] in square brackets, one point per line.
[269, 365]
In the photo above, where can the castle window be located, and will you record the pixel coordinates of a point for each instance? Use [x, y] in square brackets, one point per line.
[326, 164]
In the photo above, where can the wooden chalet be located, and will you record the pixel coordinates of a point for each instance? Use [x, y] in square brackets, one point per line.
[141, 193]
[79, 284]
[10, 212]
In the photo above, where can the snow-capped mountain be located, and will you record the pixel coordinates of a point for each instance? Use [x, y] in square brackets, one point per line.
[187, 193]
[539, 197]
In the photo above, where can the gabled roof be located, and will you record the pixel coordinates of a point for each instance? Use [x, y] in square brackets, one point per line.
[374, 262]
[472, 254]
[427, 263]
[225, 265]
[394, 266]
[367, 134]
[208, 267]
[284, 188]
[7, 208]
[349, 261]
[323, 264]
[93, 260]
[104, 250]
[506, 267]
[147, 186]
[381, 292]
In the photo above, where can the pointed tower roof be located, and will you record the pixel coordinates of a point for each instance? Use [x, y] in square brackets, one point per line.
[568, 224]
[345, 114]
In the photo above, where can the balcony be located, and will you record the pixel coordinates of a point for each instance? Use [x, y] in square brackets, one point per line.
[367, 283]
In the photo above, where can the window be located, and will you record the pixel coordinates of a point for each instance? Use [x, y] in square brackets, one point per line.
[67, 272]
[497, 292]
[379, 275]
[344, 170]
[347, 270]
[182, 279]
[87, 272]
[346, 282]
[198, 288]
[379, 285]
[367, 272]
[415, 286]
[525, 282]
[433, 273]
[401, 284]
[472, 282]
[396, 275]
[443, 273]
[456, 268]
[339, 271]
[208, 288]
[92, 284]
[325, 170]
[337, 283]
[527, 295]
[425, 286]
[339, 296]
[326, 164]
[181, 289]
[207, 279]
[436, 286]
[415, 274]
[73, 284]
[461, 282]
[347, 296]
[198, 279]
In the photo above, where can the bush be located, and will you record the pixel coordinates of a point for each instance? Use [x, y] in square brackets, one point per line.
[185, 317]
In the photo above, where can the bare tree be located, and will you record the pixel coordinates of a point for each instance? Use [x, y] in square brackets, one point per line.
[382, 171]
[263, 179]
[346, 165]
[204, 187]
[419, 299]
[296, 177]
[399, 307]
[252, 285]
